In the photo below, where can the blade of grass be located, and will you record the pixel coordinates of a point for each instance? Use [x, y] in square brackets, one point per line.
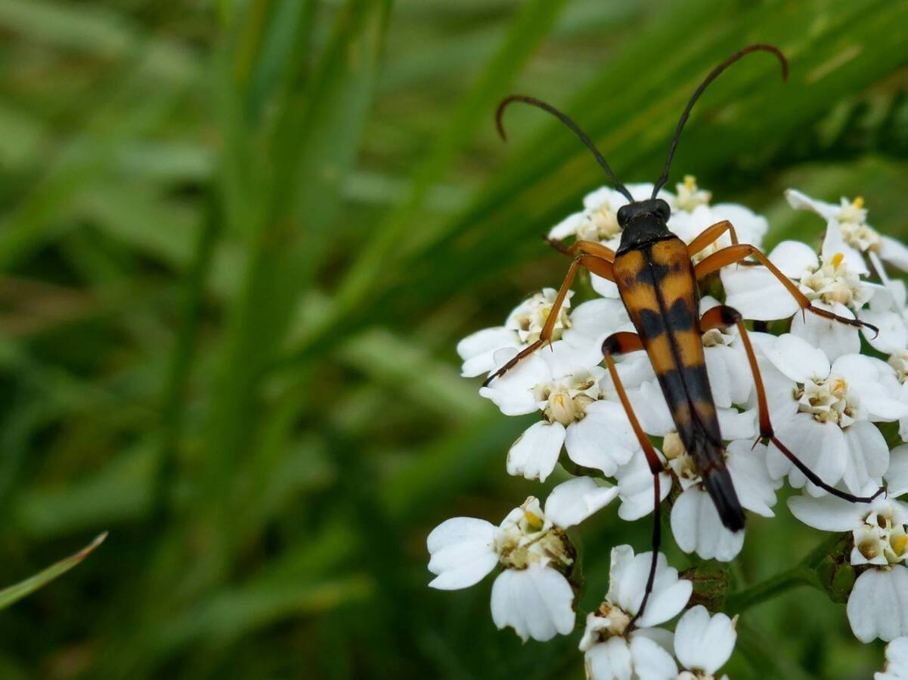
[16, 592]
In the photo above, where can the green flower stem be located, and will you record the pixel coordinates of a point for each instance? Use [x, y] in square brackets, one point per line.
[780, 583]
[805, 573]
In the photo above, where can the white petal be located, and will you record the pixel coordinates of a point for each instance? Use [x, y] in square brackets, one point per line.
[753, 484]
[567, 227]
[573, 501]
[793, 258]
[750, 227]
[896, 661]
[834, 243]
[893, 334]
[797, 359]
[868, 457]
[602, 196]
[535, 452]
[876, 383]
[536, 602]
[477, 350]
[670, 594]
[513, 392]
[894, 252]
[827, 513]
[757, 293]
[663, 638]
[800, 201]
[593, 321]
[819, 446]
[604, 439]
[704, 643]
[897, 474]
[740, 378]
[635, 482]
[878, 605]
[562, 359]
[609, 660]
[735, 425]
[651, 661]
[651, 410]
[719, 379]
[604, 287]
[627, 582]
[697, 527]
[462, 552]
[833, 338]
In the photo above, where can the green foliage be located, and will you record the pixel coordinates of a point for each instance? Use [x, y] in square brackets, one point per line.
[240, 241]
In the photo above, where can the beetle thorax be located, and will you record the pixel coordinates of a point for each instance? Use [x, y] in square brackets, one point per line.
[643, 222]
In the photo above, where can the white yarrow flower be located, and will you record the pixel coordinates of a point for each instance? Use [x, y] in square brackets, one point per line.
[825, 412]
[878, 604]
[522, 328]
[574, 414]
[614, 649]
[532, 594]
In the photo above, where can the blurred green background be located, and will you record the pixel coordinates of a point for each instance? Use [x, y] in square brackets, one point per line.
[239, 242]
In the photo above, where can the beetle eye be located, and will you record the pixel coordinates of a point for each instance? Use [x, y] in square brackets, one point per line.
[623, 215]
[663, 210]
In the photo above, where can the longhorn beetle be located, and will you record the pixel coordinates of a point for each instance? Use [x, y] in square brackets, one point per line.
[658, 285]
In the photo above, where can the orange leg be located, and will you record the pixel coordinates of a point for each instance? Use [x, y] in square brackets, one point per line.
[622, 343]
[723, 317]
[738, 252]
[578, 247]
[593, 263]
[711, 234]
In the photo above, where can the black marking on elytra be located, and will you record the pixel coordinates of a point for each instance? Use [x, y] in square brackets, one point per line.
[654, 272]
[650, 323]
[680, 318]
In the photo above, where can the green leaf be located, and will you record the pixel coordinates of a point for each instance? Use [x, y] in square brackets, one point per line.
[16, 592]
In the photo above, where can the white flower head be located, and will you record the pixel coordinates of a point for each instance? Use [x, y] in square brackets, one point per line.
[695, 521]
[692, 214]
[831, 281]
[522, 328]
[689, 196]
[849, 215]
[825, 413]
[532, 593]
[878, 604]
[627, 584]
[614, 649]
[598, 221]
[556, 382]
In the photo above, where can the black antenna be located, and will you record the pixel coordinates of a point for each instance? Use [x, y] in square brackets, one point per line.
[693, 100]
[532, 101]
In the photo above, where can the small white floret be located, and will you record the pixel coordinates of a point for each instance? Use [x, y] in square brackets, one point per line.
[462, 552]
[704, 643]
[536, 602]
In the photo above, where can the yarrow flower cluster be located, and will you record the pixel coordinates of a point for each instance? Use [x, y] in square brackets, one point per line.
[829, 387]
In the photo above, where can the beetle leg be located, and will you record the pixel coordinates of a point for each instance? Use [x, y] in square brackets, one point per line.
[593, 263]
[711, 234]
[724, 316]
[740, 251]
[622, 343]
[582, 246]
